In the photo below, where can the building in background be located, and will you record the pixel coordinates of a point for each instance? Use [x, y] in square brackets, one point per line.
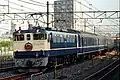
[64, 16]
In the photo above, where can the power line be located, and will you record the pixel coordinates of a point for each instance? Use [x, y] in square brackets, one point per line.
[32, 3]
[80, 17]
[37, 2]
[22, 6]
[17, 9]
[98, 10]
[43, 4]
[84, 5]
[89, 16]
[91, 5]
[85, 22]
[92, 9]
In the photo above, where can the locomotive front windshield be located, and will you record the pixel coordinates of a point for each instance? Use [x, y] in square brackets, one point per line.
[40, 36]
[18, 37]
[36, 36]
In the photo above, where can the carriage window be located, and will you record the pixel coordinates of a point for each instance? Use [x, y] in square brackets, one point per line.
[84, 41]
[67, 36]
[18, 37]
[54, 38]
[39, 36]
[62, 39]
[28, 36]
[58, 38]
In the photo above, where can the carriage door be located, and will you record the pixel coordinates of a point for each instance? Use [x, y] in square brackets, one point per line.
[78, 40]
[82, 44]
[51, 40]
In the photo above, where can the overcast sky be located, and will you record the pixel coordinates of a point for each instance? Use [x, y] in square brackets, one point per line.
[100, 4]
[20, 6]
[106, 4]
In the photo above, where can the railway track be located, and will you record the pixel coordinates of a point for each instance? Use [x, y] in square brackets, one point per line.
[49, 72]
[70, 72]
[99, 75]
[21, 76]
[12, 76]
[7, 63]
[7, 69]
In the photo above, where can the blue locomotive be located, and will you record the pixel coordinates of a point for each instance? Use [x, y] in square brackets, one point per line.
[38, 47]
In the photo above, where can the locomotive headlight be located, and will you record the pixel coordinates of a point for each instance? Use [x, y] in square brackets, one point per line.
[36, 55]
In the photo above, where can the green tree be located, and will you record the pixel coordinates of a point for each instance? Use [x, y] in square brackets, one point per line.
[7, 44]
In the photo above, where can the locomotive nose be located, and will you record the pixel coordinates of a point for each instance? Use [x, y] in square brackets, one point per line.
[29, 63]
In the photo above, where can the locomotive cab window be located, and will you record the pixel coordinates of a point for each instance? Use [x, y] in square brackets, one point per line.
[40, 36]
[18, 37]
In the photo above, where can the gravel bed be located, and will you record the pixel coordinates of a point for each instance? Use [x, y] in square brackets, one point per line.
[74, 72]
[77, 71]
[93, 70]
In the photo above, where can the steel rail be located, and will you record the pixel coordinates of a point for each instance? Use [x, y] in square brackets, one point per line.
[7, 69]
[109, 72]
[17, 77]
[101, 70]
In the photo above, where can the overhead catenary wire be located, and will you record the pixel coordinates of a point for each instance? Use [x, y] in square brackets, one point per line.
[88, 23]
[98, 10]
[79, 2]
[37, 2]
[84, 5]
[94, 8]
[32, 3]
[22, 6]
[89, 16]
[80, 18]
[91, 5]
[17, 9]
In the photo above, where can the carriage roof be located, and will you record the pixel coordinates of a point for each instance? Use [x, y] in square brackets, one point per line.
[44, 29]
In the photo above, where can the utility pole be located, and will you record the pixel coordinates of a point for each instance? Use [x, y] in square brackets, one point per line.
[8, 6]
[84, 25]
[94, 29]
[47, 14]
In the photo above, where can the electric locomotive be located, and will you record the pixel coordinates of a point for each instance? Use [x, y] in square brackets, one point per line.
[38, 48]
